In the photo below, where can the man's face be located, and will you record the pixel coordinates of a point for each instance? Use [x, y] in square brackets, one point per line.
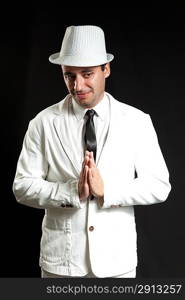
[86, 84]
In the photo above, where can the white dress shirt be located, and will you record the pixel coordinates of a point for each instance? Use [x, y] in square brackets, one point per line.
[101, 123]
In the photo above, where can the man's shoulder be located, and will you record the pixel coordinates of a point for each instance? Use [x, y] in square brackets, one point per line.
[52, 111]
[126, 109]
[47, 115]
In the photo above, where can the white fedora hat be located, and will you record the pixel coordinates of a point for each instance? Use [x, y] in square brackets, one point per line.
[82, 46]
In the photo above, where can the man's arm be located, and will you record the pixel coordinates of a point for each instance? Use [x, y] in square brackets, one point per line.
[30, 187]
[152, 182]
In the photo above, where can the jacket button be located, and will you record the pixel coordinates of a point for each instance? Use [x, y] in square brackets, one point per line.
[91, 228]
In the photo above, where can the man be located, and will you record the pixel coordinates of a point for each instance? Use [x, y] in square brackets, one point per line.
[87, 161]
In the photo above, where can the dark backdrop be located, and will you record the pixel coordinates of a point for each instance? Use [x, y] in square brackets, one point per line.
[147, 72]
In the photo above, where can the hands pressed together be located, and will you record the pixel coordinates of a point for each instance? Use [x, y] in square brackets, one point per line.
[90, 182]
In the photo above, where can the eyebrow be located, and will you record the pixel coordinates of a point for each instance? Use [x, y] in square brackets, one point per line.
[83, 71]
[68, 73]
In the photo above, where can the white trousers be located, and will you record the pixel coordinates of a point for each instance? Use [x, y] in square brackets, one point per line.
[45, 274]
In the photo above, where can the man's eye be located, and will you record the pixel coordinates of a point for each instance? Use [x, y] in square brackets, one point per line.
[70, 77]
[87, 75]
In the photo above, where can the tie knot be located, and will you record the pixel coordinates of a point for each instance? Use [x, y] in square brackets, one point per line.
[90, 113]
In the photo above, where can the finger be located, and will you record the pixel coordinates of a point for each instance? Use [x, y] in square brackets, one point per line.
[86, 158]
[90, 177]
[81, 174]
[83, 165]
[86, 161]
[92, 163]
[86, 174]
[91, 160]
[91, 155]
[87, 153]
[83, 177]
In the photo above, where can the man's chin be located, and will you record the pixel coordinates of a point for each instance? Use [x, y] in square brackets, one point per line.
[86, 103]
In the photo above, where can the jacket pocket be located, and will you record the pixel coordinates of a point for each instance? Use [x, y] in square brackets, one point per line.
[56, 240]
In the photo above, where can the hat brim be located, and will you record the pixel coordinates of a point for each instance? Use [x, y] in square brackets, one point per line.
[79, 61]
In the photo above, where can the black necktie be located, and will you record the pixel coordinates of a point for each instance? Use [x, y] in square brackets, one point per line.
[90, 136]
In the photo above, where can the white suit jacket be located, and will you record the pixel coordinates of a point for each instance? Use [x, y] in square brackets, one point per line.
[47, 177]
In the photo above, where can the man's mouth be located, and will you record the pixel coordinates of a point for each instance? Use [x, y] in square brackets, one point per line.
[82, 95]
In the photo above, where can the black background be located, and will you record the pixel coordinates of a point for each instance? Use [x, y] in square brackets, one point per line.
[148, 72]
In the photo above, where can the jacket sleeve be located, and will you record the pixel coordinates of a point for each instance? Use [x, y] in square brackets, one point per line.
[151, 184]
[30, 186]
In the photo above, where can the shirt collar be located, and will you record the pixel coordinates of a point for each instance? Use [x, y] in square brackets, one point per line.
[101, 108]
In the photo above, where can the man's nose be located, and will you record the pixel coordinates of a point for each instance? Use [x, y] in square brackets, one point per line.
[78, 83]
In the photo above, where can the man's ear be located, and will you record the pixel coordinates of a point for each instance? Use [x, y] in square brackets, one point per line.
[107, 70]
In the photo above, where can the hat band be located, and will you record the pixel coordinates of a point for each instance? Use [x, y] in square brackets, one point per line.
[81, 60]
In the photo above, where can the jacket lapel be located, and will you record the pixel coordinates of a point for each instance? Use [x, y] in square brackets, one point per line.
[116, 119]
[62, 127]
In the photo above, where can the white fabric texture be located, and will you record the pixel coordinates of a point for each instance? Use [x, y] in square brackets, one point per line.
[82, 46]
[130, 274]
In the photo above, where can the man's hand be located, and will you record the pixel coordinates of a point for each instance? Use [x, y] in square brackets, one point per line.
[96, 185]
[90, 182]
[83, 186]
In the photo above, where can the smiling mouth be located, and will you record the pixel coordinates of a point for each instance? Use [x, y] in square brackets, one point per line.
[82, 95]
